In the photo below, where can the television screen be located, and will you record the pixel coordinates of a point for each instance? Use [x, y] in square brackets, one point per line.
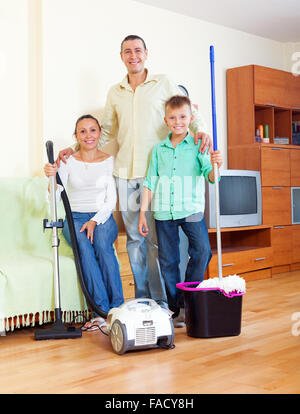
[239, 199]
[238, 195]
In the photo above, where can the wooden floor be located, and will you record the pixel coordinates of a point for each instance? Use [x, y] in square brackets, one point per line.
[263, 359]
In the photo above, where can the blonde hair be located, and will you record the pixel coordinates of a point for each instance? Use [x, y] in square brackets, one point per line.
[88, 116]
[178, 101]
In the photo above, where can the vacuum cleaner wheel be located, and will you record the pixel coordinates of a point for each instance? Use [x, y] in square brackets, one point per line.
[118, 337]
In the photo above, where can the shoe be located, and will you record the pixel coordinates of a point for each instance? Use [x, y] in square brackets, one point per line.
[94, 324]
[179, 321]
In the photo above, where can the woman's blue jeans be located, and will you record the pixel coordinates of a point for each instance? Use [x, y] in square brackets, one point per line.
[199, 251]
[99, 263]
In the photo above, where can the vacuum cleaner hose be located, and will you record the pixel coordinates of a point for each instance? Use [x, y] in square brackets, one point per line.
[74, 242]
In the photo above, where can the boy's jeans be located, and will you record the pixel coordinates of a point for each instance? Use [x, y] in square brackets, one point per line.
[142, 251]
[199, 251]
[99, 263]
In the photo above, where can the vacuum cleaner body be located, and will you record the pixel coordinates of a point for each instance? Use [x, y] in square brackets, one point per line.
[140, 324]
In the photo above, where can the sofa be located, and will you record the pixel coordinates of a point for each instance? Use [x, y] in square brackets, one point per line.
[26, 258]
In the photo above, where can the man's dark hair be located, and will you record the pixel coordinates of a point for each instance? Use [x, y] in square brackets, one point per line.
[133, 37]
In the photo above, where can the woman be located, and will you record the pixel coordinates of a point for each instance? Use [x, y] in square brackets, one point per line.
[88, 179]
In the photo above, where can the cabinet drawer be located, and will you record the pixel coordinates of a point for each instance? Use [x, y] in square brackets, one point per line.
[276, 205]
[241, 261]
[275, 166]
[282, 245]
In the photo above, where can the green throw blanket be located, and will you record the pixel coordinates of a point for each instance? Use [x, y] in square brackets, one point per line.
[26, 257]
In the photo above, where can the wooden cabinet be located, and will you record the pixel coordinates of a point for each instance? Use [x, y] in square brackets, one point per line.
[275, 166]
[296, 245]
[246, 251]
[256, 96]
[282, 245]
[276, 205]
[269, 86]
[295, 167]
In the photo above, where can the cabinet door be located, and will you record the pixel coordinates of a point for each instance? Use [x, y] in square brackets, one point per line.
[276, 203]
[270, 86]
[293, 91]
[296, 244]
[295, 170]
[275, 166]
[282, 245]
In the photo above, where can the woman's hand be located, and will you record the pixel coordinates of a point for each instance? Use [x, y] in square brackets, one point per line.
[89, 226]
[64, 155]
[50, 169]
[143, 228]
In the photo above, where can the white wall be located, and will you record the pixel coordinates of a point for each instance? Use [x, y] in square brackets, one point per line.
[81, 57]
[79, 61]
[14, 88]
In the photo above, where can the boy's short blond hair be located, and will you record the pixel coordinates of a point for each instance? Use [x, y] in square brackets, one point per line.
[178, 101]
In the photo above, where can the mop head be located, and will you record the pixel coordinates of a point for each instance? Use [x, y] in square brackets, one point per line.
[229, 284]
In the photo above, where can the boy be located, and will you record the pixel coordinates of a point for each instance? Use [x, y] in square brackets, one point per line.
[176, 178]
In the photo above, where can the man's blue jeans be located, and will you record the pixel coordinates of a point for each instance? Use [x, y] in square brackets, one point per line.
[99, 263]
[168, 252]
[142, 251]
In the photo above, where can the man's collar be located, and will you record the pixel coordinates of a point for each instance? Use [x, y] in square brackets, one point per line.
[149, 78]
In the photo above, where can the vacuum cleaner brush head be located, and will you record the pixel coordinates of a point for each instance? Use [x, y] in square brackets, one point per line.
[58, 331]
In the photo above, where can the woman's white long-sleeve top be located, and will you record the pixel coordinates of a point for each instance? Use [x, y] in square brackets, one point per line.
[90, 187]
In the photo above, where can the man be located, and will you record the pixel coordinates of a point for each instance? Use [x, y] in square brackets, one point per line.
[134, 119]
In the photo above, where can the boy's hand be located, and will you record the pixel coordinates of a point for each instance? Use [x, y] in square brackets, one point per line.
[50, 169]
[216, 158]
[64, 155]
[89, 226]
[143, 228]
[206, 142]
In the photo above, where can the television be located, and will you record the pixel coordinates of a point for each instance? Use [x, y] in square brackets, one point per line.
[240, 199]
[295, 203]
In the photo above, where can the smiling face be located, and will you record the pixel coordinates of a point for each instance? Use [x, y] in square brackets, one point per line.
[88, 133]
[134, 55]
[178, 120]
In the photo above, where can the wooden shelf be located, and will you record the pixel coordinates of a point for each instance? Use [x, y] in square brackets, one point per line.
[258, 95]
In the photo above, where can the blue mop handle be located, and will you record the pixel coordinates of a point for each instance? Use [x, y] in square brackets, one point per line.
[216, 171]
[213, 98]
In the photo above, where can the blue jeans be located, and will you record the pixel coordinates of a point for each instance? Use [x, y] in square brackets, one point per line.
[99, 263]
[142, 251]
[168, 252]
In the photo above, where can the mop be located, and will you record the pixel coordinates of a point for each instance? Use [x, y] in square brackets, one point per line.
[213, 308]
[230, 285]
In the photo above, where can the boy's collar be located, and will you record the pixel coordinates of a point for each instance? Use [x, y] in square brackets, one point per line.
[167, 142]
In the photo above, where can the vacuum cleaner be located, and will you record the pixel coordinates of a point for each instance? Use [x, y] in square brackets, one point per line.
[140, 324]
[58, 331]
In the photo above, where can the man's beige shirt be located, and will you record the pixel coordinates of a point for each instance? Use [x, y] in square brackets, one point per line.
[133, 123]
